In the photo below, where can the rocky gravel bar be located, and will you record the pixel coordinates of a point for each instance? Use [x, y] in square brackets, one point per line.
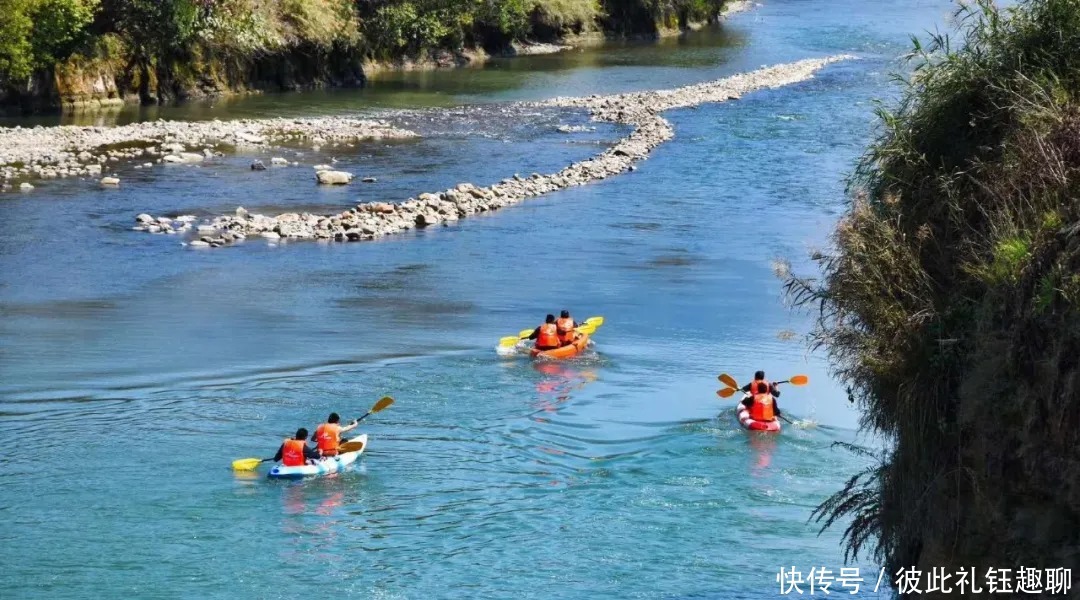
[375, 219]
[71, 151]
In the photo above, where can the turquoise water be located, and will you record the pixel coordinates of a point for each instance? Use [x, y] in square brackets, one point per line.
[132, 371]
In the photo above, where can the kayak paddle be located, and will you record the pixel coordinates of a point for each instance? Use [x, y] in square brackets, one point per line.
[591, 322]
[727, 380]
[354, 445]
[248, 464]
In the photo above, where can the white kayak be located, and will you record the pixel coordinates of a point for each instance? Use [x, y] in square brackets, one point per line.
[331, 464]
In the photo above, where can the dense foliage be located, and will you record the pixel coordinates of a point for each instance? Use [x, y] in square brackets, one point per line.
[950, 304]
[37, 34]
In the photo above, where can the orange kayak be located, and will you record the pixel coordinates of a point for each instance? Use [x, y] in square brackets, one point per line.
[568, 351]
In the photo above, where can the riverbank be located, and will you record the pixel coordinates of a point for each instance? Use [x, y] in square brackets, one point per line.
[101, 53]
[376, 219]
[70, 151]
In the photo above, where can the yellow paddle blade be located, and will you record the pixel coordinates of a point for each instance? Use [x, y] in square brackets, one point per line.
[595, 321]
[726, 392]
[381, 404]
[799, 380]
[350, 446]
[246, 464]
[727, 380]
[509, 340]
[586, 329]
[524, 333]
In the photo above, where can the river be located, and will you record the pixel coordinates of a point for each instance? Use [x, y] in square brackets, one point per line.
[134, 370]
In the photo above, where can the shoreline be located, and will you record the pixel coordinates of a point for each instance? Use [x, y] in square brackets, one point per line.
[372, 220]
[80, 151]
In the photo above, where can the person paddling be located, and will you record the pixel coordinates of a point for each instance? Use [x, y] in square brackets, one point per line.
[565, 326]
[761, 398]
[546, 335]
[295, 452]
[328, 435]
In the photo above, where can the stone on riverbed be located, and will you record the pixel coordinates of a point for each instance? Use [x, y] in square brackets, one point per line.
[323, 168]
[26, 187]
[369, 180]
[198, 244]
[277, 161]
[257, 165]
[110, 181]
[333, 177]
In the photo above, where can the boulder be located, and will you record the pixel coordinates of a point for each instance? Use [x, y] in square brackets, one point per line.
[333, 177]
[369, 180]
[257, 165]
[199, 244]
[110, 181]
[145, 219]
[277, 161]
[270, 235]
[241, 212]
[26, 187]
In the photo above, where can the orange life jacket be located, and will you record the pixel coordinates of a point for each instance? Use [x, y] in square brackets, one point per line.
[549, 336]
[566, 330]
[328, 436]
[293, 453]
[762, 408]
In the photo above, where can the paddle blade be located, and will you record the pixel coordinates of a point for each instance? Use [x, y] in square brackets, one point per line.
[381, 404]
[350, 446]
[595, 321]
[509, 341]
[246, 464]
[726, 392]
[799, 380]
[586, 329]
[524, 333]
[727, 380]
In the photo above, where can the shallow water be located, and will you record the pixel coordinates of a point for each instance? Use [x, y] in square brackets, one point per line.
[148, 367]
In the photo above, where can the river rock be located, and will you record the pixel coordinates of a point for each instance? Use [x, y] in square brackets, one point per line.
[277, 161]
[241, 212]
[323, 168]
[257, 165]
[270, 235]
[110, 181]
[198, 244]
[369, 180]
[26, 187]
[333, 177]
[144, 219]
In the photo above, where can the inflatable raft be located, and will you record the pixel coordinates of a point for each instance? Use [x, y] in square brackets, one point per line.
[332, 464]
[745, 420]
[568, 351]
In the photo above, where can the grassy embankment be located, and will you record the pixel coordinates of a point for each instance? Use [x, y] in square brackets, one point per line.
[54, 51]
[949, 304]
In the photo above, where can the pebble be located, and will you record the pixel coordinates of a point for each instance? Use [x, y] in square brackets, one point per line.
[67, 150]
[333, 177]
[640, 110]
